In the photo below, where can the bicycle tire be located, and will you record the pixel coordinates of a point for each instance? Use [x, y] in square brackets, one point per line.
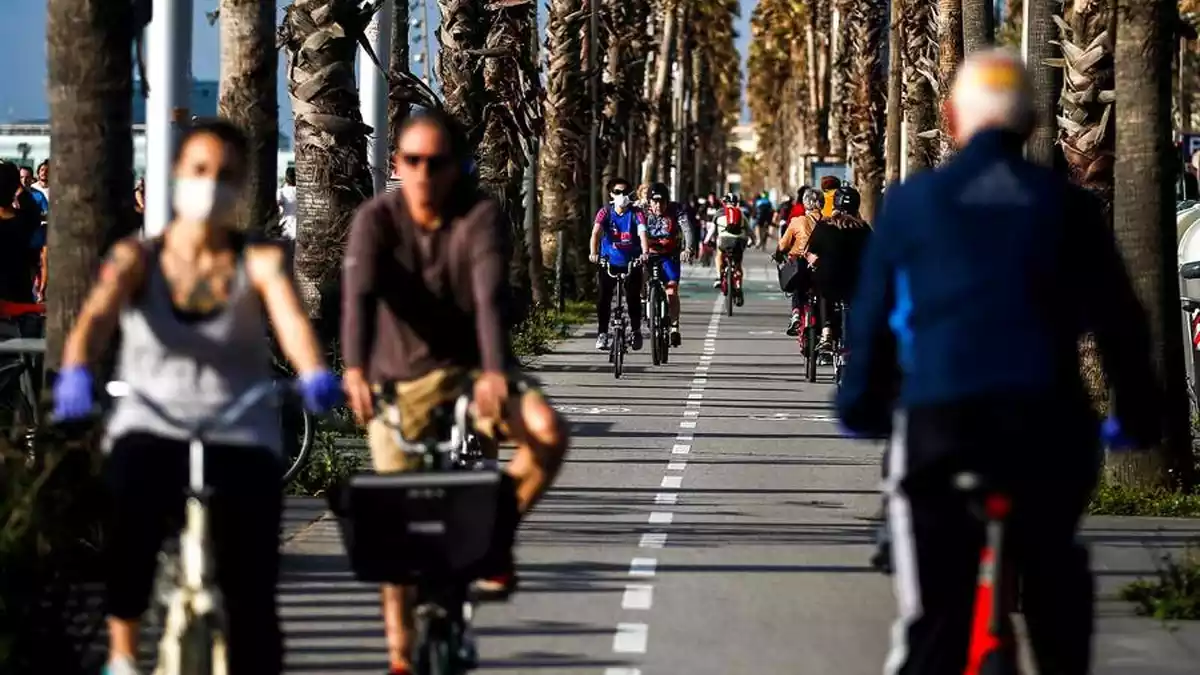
[297, 449]
[434, 652]
[729, 290]
[664, 320]
[618, 347]
[196, 649]
[655, 326]
[810, 354]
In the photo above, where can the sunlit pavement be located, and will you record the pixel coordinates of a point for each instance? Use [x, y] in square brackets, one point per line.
[710, 520]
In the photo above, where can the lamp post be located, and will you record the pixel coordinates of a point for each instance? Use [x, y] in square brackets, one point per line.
[169, 80]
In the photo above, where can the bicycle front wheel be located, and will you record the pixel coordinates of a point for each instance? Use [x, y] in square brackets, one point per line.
[618, 352]
[656, 352]
[811, 336]
[434, 651]
[299, 429]
[729, 289]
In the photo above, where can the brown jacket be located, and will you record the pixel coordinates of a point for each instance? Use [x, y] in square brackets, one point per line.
[795, 240]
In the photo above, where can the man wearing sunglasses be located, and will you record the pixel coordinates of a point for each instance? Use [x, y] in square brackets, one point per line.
[619, 234]
[665, 220]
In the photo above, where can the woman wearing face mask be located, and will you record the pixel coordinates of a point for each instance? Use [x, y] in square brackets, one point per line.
[619, 234]
[190, 305]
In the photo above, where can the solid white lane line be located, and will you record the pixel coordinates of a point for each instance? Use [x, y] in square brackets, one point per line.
[653, 540]
[630, 638]
[642, 567]
[676, 466]
[661, 518]
[666, 498]
[637, 596]
[672, 481]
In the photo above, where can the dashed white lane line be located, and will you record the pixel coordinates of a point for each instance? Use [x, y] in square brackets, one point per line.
[686, 438]
[631, 638]
[638, 596]
[672, 481]
[642, 567]
[622, 671]
[666, 498]
[680, 449]
[653, 540]
[687, 425]
[676, 466]
[661, 518]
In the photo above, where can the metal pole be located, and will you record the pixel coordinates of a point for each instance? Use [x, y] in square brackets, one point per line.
[169, 62]
[373, 91]
[594, 90]
[425, 24]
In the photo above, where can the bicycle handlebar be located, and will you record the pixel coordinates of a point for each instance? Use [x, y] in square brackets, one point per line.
[228, 415]
[458, 433]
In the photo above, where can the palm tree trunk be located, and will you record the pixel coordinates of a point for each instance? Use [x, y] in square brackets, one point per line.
[90, 89]
[332, 175]
[816, 139]
[661, 102]
[512, 118]
[895, 90]
[920, 84]
[978, 25]
[950, 53]
[1144, 224]
[840, 49]
[462, 34]
[249, 67]
[1047, 81]
[868, 100]
[398, 108]
[563, 154]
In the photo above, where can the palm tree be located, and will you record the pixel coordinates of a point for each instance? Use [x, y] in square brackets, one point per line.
[868, 99]
[978, 25]
[895, 90]
[920, 82]
[950, 54]
[512, 118]
[462, 34]
[249, 67]
[332, 176]
[1143, 222]
[563, 149]
[90, 93]
[1047, 81]
[660, 103]
[840, 61]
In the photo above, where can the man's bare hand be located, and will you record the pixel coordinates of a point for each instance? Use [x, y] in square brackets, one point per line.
[358, 394]
[491, 393]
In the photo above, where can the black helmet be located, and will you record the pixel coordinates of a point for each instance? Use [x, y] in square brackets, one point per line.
[846, 199]
[660, 191]
[730, 199]
[801, 191]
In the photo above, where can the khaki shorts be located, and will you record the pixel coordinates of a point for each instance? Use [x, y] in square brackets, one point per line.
[412, 408]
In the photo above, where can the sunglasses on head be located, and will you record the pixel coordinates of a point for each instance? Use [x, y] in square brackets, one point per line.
[657, 198]
[435, 163]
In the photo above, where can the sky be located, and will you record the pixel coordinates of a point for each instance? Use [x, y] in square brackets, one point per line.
[23, 32]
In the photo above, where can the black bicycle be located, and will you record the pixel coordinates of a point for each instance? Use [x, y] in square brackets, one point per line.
[433, 528]
[658, 313]
[618, 325]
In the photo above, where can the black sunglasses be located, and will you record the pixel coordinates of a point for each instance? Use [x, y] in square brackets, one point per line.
[435, 163]
[619, 191]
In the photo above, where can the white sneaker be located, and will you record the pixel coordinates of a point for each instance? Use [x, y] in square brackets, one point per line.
[602, 343]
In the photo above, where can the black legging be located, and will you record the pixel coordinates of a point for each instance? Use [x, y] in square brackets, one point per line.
[633, 295]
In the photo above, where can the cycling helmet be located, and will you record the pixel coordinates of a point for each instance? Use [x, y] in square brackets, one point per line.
[813, 200]
[659, 191]
[730, 199]
[846, 199]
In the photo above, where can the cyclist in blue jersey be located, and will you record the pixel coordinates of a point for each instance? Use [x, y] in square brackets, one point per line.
[619, 234]
[665, 221]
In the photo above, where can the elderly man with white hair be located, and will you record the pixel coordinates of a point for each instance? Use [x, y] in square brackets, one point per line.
[979, 279]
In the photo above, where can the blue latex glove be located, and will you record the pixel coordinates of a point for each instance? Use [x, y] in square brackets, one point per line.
[1113, 436]
[321, 390]
[73, 393]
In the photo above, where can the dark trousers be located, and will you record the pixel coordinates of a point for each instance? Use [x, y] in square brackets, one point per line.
[1047, 461]
[146, 476]
[633, 298]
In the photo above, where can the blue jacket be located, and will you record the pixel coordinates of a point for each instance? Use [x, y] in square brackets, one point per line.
[979, 279]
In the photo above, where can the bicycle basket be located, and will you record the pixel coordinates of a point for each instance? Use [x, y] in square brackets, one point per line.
[410, 527]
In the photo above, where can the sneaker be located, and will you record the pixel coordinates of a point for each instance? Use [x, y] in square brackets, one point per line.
[120, 665]
[676, 338]
[793, 328]
[637, 340]
[602, 342]
[738, 298]
[497, 586]
[717, 283]
[399, 670]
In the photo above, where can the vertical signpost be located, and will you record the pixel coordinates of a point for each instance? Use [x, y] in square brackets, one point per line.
[169, 81]
[373, 93]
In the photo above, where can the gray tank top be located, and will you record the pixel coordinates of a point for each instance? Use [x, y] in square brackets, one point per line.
[193, 368]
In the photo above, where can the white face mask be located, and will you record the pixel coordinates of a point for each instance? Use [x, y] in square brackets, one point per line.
[620, 201]
[203, 199]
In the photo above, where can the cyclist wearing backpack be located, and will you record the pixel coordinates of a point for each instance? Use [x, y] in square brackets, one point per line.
[619, 234]
[731, 235]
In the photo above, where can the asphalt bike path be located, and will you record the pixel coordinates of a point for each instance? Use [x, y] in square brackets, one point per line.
[710, 519]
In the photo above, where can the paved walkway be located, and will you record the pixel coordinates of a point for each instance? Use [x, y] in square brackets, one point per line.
[710, 520]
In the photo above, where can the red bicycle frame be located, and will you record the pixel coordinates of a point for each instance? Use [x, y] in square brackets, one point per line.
[992, 650]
